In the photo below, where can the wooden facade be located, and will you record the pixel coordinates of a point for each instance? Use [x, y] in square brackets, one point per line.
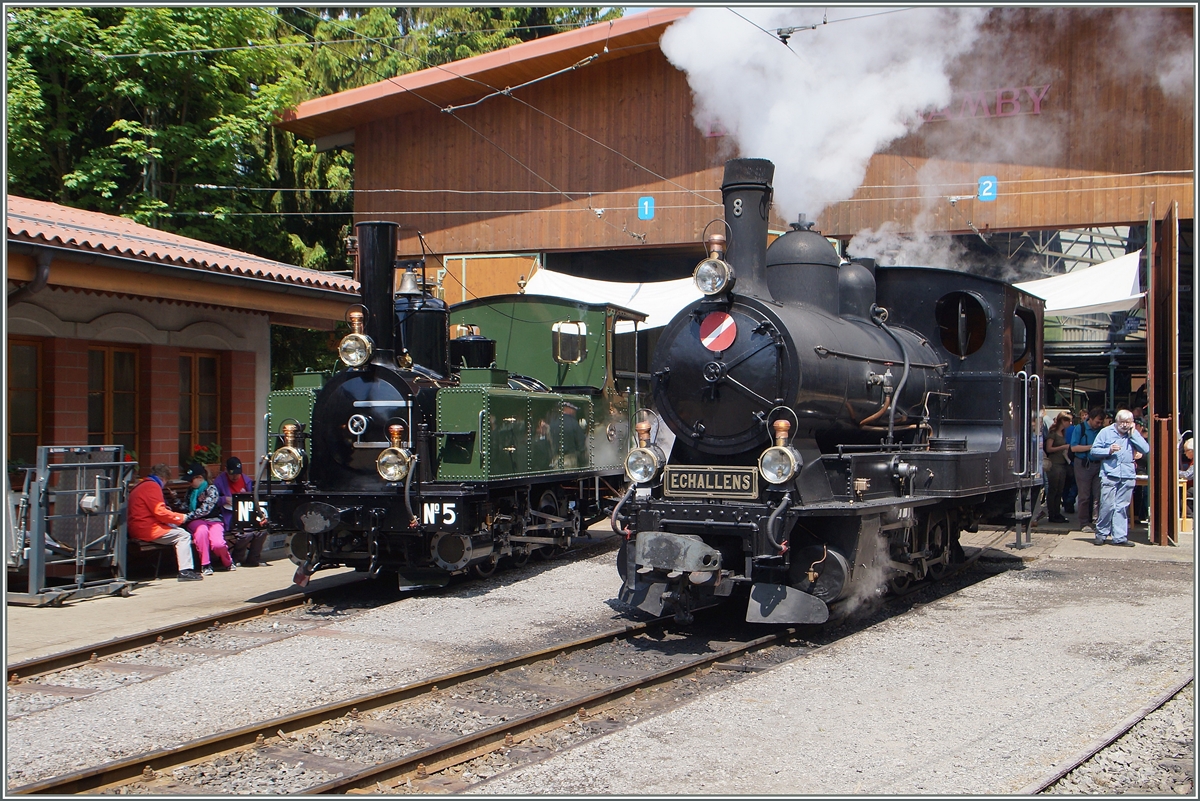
[1075, 134]
[1074, 137]
[582, 196]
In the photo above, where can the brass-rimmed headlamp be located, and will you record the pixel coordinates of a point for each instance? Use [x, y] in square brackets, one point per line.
[644, 463]
[394, 463]
[713, 275]
[355, 348]
[287, 460]
[780, 462]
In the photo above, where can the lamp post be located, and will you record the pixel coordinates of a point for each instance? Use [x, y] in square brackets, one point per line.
[1111, 395]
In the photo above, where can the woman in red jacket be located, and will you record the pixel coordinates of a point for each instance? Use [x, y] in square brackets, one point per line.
[150, 519]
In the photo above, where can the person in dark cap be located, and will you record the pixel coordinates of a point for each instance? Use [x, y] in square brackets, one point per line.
[246, 545]
[204, 520]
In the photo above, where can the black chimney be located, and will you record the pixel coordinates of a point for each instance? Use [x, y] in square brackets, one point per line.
[746, 191]
[376, 257]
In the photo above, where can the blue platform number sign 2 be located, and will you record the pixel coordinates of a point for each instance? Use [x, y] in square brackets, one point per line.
[646, 208]
[987, 187]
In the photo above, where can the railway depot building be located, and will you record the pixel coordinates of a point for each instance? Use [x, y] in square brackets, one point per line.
[578, 153]
[122, 334]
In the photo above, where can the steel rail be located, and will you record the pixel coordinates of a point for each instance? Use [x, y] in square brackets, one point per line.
[1108, 738]
[474, 744]
[128, 769]
[80, 656]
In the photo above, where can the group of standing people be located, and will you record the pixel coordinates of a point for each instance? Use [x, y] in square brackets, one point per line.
[1102, 455]
[201, 517]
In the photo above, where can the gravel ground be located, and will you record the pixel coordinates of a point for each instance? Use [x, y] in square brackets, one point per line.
[1156, 756]
[26, 703]
[982, 692]
[424, 635]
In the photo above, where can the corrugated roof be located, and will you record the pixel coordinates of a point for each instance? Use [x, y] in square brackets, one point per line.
[477, 76]
[37, 221]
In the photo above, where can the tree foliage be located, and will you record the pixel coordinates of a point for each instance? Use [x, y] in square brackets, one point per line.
[164, 114]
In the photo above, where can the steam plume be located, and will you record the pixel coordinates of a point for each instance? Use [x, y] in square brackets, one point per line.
[821, 105]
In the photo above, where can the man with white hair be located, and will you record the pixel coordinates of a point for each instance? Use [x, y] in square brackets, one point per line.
[1114, 448]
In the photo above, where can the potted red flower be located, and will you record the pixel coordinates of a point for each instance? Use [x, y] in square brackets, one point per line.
[209, 456]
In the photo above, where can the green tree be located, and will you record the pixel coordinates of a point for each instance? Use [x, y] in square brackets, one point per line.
[144, 112]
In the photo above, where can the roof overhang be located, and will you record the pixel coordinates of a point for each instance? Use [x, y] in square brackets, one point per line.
[333, 118]
[286, 304]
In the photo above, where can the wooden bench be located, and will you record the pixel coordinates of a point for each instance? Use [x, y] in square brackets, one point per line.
[147, 549]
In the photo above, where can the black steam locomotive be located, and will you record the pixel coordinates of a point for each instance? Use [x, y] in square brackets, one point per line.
[825, 429]
[423, 459]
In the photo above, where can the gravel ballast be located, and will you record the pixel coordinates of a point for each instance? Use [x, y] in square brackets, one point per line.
[982, 692]
[422, 636]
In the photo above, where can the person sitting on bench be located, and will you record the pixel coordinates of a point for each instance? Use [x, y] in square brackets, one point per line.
[150, 520]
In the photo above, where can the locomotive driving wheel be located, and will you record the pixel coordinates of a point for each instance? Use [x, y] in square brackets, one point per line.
[520, 557]
[548, 505]
[937, 540]
[484, 569]
[898, 582]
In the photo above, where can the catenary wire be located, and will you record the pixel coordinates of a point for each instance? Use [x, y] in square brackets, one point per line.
[592, 192]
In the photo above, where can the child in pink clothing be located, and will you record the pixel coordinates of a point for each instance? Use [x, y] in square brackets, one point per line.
[204, 521]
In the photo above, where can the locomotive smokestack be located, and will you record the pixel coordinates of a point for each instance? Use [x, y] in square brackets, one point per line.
[376, 255]
[747, 191]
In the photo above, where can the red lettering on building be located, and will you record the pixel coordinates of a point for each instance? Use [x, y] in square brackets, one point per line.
[1036, 96]
[1010, 101]
[972, 104]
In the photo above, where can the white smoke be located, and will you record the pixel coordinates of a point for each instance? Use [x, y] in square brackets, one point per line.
[1152, 41]
[820, 106]
[889, 246]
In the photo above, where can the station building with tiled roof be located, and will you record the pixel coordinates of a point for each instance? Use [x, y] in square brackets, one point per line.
[118, 333]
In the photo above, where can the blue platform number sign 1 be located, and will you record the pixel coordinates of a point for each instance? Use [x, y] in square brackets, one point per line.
[987, 187]
[646, 208]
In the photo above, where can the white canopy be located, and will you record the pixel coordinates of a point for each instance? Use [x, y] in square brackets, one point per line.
[1110, 286]
[658, 300]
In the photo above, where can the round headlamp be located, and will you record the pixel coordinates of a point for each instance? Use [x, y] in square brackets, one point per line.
[778, 464]
[643, 464]
[286, 463]
[712, 276]
[393, 464]
[355, 349]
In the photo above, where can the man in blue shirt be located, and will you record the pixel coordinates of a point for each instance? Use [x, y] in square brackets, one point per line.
[1114, 448]
[1087, 469]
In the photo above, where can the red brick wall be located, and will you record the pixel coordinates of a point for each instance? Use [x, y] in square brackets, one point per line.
[65, 387]
[238, 408]
[158, 408]
[64, 395]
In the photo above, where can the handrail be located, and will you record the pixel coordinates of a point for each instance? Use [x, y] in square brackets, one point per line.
[1023, 377]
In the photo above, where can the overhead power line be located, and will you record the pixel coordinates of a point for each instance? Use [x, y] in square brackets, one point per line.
[695, 192]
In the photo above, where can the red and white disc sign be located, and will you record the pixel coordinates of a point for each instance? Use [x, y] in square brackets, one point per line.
[718, 331]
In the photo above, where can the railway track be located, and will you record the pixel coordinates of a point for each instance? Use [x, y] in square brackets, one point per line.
[417, 753]
[512, 705]
[1107, 739]
[90, 654]
[506, 684]
[76, 657]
